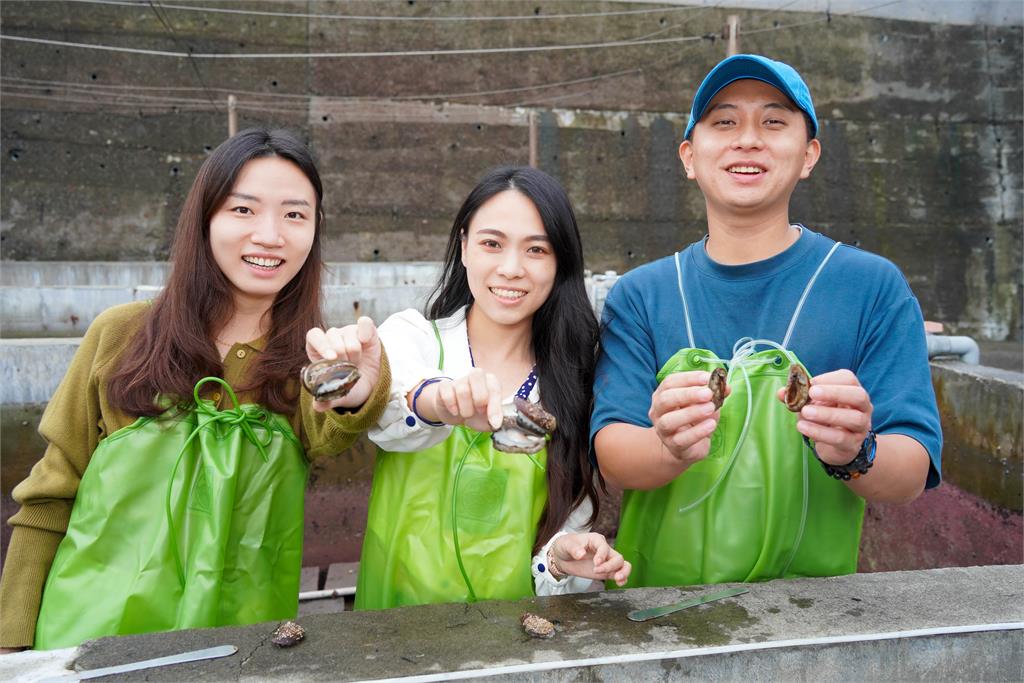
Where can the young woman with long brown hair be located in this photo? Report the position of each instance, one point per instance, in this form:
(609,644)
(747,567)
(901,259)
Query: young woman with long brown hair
(170,493)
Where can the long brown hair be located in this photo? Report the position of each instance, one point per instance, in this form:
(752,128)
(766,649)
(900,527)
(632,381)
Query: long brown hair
(176,347)
(564,336)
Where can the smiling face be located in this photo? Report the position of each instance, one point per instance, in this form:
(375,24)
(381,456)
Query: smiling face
(510,264)
(749,150)
(262,233)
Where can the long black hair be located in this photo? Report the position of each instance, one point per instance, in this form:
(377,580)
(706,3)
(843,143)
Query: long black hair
(564,334)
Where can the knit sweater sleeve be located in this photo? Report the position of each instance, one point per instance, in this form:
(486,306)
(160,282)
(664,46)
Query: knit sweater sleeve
(72,425)
(333,431)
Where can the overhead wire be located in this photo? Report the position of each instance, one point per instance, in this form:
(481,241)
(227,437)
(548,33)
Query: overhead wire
(358,55)
(371,17)
(199,105)
(195,67)
(305,99)
(114,89)
(412,53)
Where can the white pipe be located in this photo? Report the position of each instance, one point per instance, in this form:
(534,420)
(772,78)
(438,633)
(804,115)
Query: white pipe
(328,593)
(537,667)
(963,347)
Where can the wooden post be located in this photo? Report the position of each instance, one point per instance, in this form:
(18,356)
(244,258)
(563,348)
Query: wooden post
(232,116)
(533,139)
(732,35)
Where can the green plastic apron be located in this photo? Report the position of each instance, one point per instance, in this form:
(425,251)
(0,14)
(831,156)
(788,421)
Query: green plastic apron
(451,523)
(189,520)
(758,506)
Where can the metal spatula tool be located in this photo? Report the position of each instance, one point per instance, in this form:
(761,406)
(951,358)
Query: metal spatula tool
(651,613)
(181,658)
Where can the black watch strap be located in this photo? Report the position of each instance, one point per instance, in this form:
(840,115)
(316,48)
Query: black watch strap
(860,464)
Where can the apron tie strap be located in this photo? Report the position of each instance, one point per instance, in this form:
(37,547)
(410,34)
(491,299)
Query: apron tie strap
(742,352)
(232,417)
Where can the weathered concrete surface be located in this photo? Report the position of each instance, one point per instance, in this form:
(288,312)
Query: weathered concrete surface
(68,311)
(982,411)
(945,527)
(1007,355)
(921,127)
(993,12)
(803,629)
(61,299)
(154,273)
(31,369)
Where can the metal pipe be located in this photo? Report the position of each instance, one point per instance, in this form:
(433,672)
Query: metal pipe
(963,347)
(328,593)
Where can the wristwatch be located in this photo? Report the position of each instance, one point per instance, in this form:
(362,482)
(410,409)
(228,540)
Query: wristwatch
(860,464)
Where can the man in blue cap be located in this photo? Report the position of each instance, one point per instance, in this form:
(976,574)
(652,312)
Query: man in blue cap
(772,481)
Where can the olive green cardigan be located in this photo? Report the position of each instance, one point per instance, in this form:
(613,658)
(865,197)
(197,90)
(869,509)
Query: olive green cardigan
(79,416)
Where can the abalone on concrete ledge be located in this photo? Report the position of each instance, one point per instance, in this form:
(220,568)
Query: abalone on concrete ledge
(288,634)
(537,626)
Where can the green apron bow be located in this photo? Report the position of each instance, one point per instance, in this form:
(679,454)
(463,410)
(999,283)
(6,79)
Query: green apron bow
(231,418)
(226,550)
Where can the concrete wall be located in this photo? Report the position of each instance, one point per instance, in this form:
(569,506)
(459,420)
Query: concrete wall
(921,125)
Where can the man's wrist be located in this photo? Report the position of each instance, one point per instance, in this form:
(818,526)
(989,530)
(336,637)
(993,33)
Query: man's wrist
(672,461)
(855,468)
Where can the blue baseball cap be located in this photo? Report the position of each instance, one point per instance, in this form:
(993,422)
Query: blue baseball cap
(738,67)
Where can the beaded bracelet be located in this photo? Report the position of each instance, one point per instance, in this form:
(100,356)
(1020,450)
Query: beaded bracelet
(424,384)
(556,573)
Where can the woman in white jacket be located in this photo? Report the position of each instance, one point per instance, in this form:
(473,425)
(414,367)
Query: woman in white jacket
(452,518)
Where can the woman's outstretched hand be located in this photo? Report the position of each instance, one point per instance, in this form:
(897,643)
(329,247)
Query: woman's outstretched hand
(473,400)
(359,345)
(589,555)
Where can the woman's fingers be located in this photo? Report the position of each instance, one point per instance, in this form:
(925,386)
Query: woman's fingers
(447,399)
(317,346)
(494,412)
(622,575)
(366,332)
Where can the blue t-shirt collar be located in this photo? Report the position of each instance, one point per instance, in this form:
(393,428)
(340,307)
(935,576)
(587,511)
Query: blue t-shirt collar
(793,255)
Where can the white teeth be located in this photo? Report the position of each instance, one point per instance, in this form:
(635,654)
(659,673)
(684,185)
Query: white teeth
(508,293)
(745,169)
(262,262)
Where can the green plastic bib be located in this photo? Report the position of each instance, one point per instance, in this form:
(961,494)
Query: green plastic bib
(193,519)
(757,507)
(452,523)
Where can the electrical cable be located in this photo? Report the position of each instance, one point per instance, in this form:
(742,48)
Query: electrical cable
(342,55)
(370,17)
(195,67)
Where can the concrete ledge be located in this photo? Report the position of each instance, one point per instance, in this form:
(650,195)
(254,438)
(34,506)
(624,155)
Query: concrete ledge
(62,299)
(58,311)
(31,369)
(982,410)
(154,273)
(935,625)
